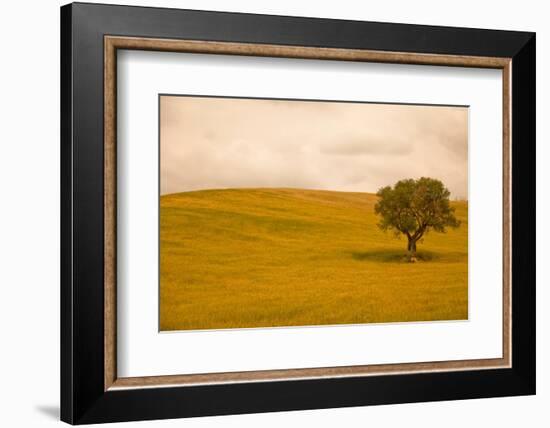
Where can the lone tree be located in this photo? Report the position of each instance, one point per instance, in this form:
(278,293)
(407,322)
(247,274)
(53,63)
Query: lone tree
(413,208)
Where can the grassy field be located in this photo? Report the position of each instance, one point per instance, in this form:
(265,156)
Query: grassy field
(280,257)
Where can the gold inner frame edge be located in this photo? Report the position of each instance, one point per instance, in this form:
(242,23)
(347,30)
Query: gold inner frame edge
(113,43)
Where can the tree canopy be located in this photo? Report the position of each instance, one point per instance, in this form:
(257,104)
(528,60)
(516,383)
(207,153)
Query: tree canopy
(414,207)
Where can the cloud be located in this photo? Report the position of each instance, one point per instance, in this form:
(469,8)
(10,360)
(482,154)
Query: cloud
(223,142)
(367,146)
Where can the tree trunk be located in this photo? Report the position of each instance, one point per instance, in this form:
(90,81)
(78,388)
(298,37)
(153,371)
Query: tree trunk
(411,248)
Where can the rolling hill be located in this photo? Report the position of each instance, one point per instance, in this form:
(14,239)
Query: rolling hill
(239,258)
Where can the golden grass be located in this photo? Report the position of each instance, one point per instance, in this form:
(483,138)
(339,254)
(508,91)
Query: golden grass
(287,257)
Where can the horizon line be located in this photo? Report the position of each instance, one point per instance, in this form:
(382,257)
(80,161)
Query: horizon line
(456,199)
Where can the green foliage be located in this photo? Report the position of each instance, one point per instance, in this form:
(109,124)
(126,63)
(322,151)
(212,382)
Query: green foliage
(414,207)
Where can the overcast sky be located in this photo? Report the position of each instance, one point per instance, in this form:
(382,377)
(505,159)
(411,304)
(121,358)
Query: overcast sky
(212,143)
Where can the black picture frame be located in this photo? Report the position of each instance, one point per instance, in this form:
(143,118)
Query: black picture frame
(83,398)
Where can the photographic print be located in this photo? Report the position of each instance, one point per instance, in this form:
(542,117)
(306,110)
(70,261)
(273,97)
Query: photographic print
(279,212)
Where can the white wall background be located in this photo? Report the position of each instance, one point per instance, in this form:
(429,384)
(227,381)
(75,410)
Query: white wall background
(29,214)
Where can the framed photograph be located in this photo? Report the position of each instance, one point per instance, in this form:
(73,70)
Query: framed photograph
(265,213)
